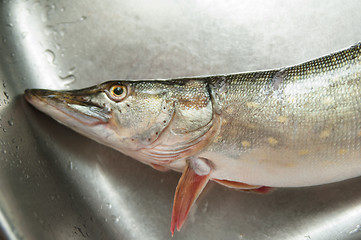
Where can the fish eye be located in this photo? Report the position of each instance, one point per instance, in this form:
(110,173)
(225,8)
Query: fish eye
(117,92)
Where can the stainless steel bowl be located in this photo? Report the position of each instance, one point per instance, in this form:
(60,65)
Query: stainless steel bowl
(56,184)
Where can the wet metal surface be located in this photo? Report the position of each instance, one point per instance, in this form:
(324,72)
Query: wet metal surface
(56,184)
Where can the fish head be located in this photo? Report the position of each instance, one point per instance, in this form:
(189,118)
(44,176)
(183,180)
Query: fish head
(115,111)
(152,121)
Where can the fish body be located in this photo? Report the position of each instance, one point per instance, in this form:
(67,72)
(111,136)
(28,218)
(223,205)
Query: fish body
(292,127)
(289,127)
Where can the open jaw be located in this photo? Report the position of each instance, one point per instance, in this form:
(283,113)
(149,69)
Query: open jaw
(68,107)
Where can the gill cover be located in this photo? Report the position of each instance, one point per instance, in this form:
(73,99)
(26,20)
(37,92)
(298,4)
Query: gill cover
(193,125)
(158,122)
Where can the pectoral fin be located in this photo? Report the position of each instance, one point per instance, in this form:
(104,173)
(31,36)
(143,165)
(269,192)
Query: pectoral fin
(193,180)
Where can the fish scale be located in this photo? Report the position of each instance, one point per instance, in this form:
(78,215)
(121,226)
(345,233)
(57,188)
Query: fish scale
(312,117)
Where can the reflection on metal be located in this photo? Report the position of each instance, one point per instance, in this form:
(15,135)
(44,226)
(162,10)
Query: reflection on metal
(58,185)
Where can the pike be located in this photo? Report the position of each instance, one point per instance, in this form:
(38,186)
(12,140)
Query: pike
(290,127)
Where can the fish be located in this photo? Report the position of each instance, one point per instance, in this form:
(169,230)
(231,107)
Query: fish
(294,126)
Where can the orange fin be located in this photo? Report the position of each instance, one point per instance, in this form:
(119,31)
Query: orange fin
(193,180)
(243,186)
(159,167)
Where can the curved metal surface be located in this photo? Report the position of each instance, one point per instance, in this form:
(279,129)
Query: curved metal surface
(56,184)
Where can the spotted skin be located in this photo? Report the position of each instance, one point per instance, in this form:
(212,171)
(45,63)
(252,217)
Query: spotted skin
(300,123)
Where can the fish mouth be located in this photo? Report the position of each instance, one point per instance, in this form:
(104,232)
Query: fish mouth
(64,105)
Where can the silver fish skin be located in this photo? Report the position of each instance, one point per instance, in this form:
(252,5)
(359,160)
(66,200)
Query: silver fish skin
(289,127)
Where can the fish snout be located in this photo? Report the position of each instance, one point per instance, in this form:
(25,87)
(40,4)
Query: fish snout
(63,104)
(32,95)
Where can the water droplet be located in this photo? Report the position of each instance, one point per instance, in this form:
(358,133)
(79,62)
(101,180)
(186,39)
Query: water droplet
(24,34)
(11,123)
(83,18)
(4,84)
(72,70)
(115,218)
(356,230)
(71,196)
(62,9)
(17,147)
(49,30)
(68,79)
(6,95)
(9,25)
(4,129)
(4,40)
(205,208)
(109,205)
(50,56)
(48,10)
(4,151)
(70,165)
(53,196)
